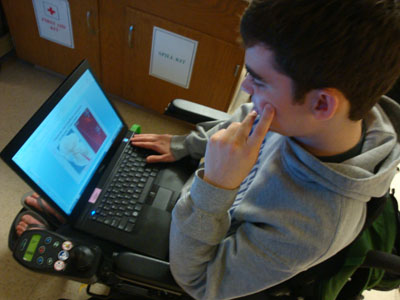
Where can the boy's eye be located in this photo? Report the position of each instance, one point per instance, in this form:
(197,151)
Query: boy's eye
(255,81)
(258,83)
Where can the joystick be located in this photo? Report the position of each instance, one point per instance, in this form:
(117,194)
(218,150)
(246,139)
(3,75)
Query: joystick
(82,257)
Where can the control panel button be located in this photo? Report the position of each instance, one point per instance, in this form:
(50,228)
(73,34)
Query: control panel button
(40,260)
(42,249)
(56,244)
(48,240)
(59,265)
(23,245)
(50,261)
(63,255)
(67,245)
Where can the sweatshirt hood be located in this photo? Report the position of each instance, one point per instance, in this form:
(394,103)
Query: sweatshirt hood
(366,175)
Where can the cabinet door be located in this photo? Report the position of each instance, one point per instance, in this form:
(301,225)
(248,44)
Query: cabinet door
(31,47)
(214,75)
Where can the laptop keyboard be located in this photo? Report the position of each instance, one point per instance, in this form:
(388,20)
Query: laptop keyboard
(122,203)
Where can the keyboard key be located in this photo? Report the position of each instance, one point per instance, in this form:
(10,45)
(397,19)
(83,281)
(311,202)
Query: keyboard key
(129,227)
(115,222)
(123,223)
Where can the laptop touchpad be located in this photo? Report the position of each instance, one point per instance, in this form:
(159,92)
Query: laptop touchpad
(162,198)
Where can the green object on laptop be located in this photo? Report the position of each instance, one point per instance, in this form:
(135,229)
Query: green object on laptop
(136,128)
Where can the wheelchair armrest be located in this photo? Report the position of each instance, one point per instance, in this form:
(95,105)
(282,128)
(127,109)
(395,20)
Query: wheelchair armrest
(382,260)
(139,268)
(193,112)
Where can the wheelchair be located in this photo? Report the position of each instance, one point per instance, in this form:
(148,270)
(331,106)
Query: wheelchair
(133,276)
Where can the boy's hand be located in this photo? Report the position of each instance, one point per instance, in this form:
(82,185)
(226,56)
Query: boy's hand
(231,153)
(157,142)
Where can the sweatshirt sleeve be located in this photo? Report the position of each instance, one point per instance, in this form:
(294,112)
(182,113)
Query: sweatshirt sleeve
(209,264)
(194,144)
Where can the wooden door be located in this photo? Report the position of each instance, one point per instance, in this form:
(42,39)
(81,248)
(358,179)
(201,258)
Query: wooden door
(215,72)
(31,47)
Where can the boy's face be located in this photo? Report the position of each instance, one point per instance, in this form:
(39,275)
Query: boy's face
(266,85)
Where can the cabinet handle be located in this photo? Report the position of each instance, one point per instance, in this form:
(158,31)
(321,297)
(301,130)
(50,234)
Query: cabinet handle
(237,68)
(130,34)
(89,24)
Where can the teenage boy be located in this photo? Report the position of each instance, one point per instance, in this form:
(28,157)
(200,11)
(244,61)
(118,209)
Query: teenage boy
(286,180)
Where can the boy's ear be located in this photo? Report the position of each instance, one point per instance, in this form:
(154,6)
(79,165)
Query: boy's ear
(324,103)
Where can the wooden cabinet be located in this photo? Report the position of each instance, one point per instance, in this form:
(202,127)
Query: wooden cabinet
(31,47)
(121,59)
(219,59)
(214,73)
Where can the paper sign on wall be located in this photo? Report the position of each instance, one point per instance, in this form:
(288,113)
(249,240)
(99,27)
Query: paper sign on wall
(54,21)
(172,57)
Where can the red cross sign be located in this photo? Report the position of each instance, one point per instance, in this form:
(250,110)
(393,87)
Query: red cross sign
(51,10)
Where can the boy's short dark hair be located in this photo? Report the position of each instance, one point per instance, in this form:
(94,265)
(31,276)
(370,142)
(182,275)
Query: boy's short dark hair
(350,45)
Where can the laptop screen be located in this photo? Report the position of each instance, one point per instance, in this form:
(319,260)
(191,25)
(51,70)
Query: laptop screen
(63,153)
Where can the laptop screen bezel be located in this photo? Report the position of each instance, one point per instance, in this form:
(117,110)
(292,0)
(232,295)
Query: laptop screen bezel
(34,122)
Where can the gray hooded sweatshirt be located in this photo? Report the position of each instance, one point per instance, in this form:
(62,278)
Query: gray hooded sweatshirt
(293,211)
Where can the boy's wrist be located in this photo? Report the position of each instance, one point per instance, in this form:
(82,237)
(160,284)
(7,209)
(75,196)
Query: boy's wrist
(209,197)
(217,184)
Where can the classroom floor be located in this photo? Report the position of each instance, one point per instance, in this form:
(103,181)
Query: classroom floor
(23,88)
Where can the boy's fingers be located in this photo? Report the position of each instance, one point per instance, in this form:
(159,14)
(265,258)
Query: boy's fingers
(246,125)
(143,138)
(146,145)
(263,125)
(159,158)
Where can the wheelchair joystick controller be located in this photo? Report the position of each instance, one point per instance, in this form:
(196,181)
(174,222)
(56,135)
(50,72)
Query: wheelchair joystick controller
(49,252)
(82,258)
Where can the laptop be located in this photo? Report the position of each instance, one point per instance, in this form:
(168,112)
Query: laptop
(75,152)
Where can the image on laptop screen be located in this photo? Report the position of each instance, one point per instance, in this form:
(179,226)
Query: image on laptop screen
(63,153)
